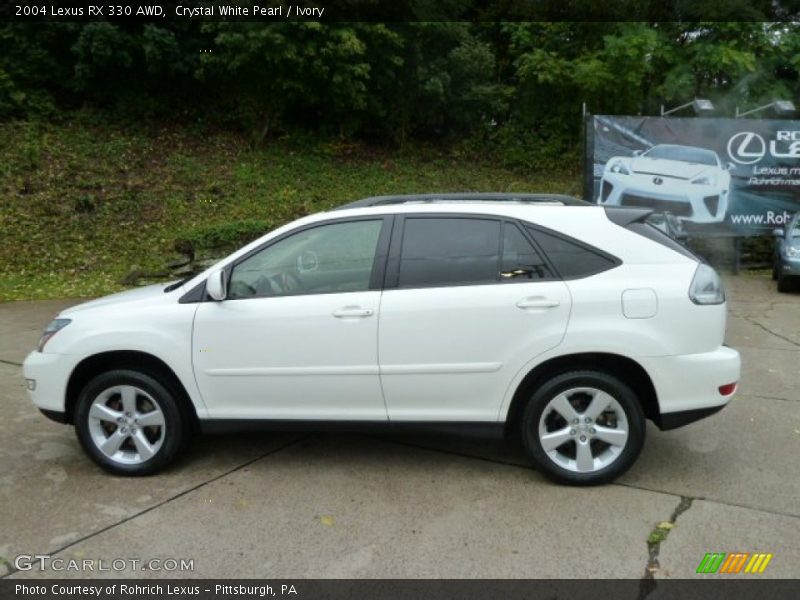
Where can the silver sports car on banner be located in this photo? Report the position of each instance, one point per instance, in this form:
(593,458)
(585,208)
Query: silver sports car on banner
(691,183)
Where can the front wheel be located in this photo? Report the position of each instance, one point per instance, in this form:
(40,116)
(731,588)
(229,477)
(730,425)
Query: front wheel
(583,427)
(128,422)
(784,283)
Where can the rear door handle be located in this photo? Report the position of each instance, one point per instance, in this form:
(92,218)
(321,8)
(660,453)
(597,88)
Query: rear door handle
(516,273)
(537,302)
(352,312)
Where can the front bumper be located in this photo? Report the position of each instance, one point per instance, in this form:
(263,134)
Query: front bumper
(46,376)
(688,385)
(790,266)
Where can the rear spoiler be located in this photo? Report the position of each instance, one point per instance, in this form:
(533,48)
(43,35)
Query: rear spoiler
(624,216)
(634,219)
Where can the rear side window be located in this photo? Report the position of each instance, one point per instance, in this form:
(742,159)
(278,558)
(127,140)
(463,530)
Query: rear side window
(521,261)
(449,251)
(572,259)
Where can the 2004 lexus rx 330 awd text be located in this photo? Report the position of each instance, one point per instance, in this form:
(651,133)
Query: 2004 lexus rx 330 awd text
(565,323)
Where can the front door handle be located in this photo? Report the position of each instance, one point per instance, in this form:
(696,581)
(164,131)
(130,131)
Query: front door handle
(352,312)
(537,302)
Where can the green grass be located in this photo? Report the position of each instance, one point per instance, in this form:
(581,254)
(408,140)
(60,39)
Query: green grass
(82,204)
(660,532)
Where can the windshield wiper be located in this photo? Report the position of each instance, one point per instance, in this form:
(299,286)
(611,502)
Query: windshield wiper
(177,284)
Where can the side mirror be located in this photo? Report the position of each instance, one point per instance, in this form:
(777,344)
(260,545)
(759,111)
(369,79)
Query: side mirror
(637,152)
(216,285)
(778,233)
(730,166)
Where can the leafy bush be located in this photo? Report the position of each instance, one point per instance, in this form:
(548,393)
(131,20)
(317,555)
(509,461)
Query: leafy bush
(226,235)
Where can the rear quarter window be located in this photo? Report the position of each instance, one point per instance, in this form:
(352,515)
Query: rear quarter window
(571,258)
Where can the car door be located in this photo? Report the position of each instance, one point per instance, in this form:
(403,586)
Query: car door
(296,337)
(468,301)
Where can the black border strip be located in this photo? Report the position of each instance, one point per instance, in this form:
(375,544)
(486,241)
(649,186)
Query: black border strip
(397,11)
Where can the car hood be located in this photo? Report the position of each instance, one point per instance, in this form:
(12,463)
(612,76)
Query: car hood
(135,295)
(669,168)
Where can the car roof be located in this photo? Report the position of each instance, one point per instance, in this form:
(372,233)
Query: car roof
(466,198)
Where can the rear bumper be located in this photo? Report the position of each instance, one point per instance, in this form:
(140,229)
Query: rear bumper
(688,386)
(667,421)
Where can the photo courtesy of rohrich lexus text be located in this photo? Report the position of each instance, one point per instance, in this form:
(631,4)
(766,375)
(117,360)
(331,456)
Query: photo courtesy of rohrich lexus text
(400,300)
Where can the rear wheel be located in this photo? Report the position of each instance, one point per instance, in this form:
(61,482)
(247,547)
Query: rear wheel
(129,423)
(583,427)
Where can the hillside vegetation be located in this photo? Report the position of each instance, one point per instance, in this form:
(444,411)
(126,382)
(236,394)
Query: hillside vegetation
(84,203)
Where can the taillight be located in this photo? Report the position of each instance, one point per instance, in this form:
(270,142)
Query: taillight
(706,286)
(727,389)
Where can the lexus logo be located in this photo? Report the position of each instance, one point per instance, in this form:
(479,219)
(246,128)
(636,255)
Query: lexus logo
(746,148)
(658,180)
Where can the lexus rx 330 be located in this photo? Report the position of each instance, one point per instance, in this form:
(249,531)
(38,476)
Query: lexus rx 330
(564,323)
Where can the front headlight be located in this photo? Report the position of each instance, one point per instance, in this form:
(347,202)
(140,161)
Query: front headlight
(619,167)
(706,286)
(705,180)
(52,328)
(792,251)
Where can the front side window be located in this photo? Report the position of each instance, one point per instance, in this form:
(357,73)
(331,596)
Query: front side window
(449,251)
(332,258)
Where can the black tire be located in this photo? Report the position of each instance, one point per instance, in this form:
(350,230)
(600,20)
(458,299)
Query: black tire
(605,382)
(784,283)
(174,432)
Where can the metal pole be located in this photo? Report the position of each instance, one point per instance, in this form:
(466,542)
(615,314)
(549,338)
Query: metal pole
(677,108)
(588,156)
(752,110)
(737,255)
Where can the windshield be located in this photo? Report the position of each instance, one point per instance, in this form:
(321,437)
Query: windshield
(683,153)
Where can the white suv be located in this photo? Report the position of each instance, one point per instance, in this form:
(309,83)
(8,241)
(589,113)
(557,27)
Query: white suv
(565,323)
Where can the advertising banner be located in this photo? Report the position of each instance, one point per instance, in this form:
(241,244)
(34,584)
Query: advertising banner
(717,176)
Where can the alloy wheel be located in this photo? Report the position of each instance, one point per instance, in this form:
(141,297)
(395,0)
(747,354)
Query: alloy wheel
(583,429)
(127,424)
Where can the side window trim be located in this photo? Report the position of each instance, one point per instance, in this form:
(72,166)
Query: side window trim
(392,272)
(378,259)
(527,226)
(381,254)
(556,276)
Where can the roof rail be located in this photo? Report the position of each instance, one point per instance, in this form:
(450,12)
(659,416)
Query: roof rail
(559,199)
